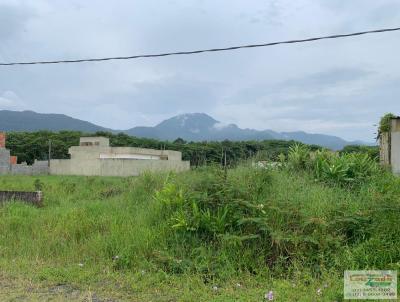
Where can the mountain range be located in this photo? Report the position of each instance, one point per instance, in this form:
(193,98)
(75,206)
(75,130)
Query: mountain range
(190,127)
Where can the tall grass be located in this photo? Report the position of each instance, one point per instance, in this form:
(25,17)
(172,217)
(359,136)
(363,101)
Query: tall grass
(84,220)
(209,223)
(274,221)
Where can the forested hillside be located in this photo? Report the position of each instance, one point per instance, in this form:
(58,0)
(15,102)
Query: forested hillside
(195,127)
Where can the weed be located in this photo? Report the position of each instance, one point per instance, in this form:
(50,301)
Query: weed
(206,228)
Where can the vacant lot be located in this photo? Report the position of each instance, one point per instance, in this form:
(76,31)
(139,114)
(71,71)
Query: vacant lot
(204,235)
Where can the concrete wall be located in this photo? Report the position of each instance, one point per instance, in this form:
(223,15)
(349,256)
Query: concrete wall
(88,152)
(29,197)
(130,156)
(390,147)
(38,168)
(384,149)
(95,141)
(113,167)
(395,146)
(4,161)
(8,164)
(100,159)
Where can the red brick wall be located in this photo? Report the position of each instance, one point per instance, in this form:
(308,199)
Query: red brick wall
(2,139)
(13,160)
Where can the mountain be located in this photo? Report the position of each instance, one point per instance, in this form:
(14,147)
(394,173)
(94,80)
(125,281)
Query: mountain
(200,127)
(329,141)
(190,127)
(32,121)
(193,127)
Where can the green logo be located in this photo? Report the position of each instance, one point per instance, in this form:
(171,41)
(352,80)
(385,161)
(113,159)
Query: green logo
(370,285)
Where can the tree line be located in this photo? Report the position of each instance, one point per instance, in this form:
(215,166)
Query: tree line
(29,146)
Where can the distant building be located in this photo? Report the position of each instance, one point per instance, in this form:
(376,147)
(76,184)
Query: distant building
(390,146)
(94,156)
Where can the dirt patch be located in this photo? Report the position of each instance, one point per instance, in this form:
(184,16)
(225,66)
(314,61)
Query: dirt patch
(16,290)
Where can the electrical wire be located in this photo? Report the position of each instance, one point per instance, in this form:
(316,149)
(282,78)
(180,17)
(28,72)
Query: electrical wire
(204,50)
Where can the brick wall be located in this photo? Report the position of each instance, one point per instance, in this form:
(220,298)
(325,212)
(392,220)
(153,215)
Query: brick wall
(13,160)
(2,139)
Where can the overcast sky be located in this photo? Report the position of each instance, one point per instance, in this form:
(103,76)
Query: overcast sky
(338,87)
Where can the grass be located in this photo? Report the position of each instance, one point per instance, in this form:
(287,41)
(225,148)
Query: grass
(117,238)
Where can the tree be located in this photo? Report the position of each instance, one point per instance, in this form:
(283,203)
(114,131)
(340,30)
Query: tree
(179,141)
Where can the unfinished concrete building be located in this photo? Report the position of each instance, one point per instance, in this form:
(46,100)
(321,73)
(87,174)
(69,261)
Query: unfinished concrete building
(94,156)
(8,163)
(390,146)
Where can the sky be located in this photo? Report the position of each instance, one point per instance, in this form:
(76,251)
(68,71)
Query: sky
(339,87)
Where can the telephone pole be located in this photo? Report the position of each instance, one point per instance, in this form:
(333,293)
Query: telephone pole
(49,155)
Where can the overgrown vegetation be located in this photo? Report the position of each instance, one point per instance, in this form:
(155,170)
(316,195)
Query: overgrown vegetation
(343,169)
(372,151)
(211,234)
(384,123)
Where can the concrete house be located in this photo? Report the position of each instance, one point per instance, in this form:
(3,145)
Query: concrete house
(390,146)
(94,156)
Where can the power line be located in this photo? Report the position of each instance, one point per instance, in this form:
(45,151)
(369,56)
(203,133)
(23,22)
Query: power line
(205,50)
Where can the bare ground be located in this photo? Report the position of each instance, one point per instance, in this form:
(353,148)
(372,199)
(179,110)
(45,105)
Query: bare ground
(12,289)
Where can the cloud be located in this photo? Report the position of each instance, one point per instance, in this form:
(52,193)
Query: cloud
(328,78)
(10,100)
(336,82)
(338,86)
(13,19)
(221,126)
(339,102)
(175,94)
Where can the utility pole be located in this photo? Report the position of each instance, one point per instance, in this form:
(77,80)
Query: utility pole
(225,168)
(49,155)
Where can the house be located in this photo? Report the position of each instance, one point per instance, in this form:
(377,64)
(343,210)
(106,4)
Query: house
(94,156)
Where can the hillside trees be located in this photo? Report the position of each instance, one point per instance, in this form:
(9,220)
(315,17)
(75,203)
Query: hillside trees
(29,146)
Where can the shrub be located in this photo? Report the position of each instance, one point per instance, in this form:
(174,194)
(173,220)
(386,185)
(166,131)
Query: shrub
(384,124)
(238,217)
(372,151)
(298,156)
(348,169)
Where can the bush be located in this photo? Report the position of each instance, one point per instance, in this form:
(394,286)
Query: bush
(238,217)
(348,169)
(372,151)
(298,157)
(385,122)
